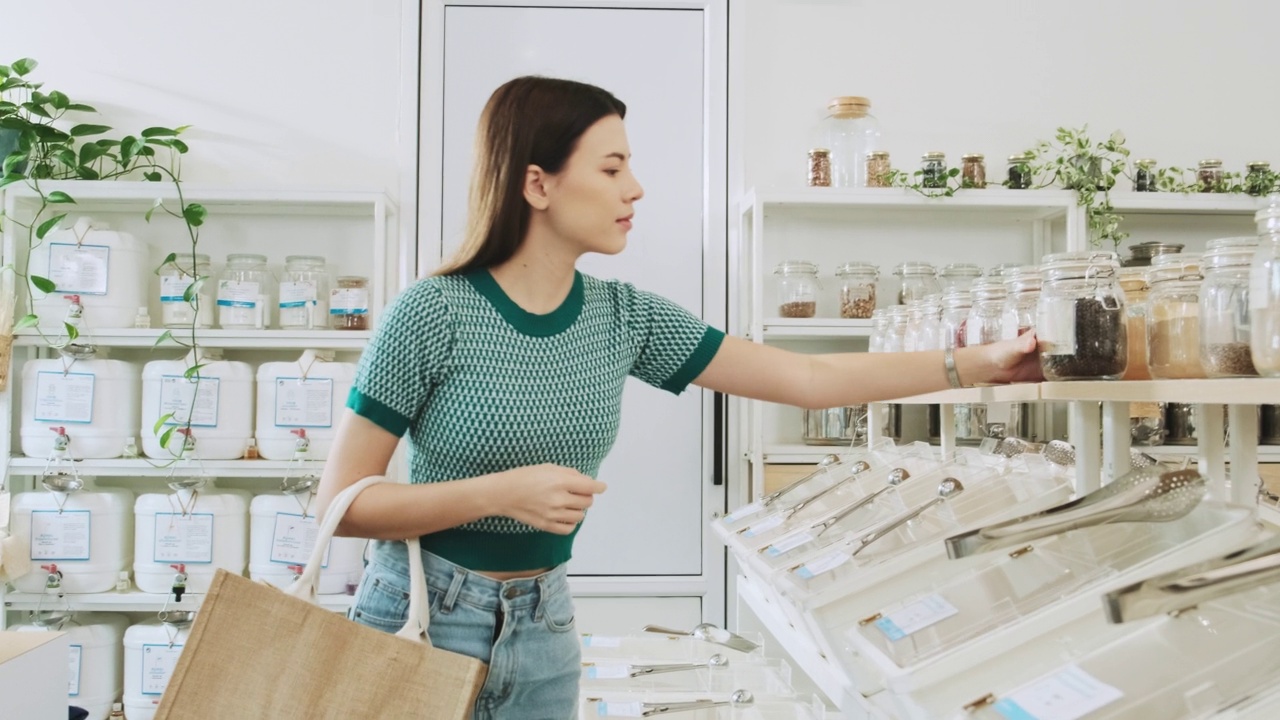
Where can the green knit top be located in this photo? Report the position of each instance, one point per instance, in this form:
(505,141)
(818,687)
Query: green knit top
(483,386)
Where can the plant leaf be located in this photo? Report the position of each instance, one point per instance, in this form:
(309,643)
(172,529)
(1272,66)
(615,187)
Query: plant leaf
(35,109)
(164,337)
(165,436)
(72,331)
(158,203)
(49,225)
(57,196)
(158,132)
(81,107)
(90,152)
(67,157)
(87,173)
(193,371)
(153,176)
(10,179)
(26,321)
(82,130)
(24,66)
(171,257)
(194,214)
(59,100)
(160,422)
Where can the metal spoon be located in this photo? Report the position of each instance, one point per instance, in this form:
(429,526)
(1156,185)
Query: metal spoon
(826,462)
(739,699)
(947,489)
(896,478)
(715,661)
(858,468)
(709,633)
(1145,495)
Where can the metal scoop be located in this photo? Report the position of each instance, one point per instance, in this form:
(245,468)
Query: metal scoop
(1187,587)
(948,488)
(858,468)
(715,661)
(826,462)
(709,633)
(739,699)
(1145,495)
(1060,453)
(896,478)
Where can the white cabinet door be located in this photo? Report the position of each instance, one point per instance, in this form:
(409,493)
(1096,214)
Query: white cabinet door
(652,519)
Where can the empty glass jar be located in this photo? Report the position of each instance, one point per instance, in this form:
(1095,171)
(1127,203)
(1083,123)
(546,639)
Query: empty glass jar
(987,314)
(923,325)
(1022,293)
(958,276)
(1080,317)
(896,332)
(797,289)
(1173,323)
(304,293)
(879,326)
(1225,332)
(955,317)
(1264,292)
(849,131)
(857,289)
(175,278)
(244,293)
(916,280)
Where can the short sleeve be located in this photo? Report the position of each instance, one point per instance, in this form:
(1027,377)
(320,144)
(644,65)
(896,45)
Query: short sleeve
(674,345)
(405,359)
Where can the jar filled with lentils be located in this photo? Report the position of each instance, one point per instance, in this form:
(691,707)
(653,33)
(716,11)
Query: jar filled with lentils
(797,289)
(1226,335)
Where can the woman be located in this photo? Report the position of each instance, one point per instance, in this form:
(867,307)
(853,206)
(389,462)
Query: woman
(506,368)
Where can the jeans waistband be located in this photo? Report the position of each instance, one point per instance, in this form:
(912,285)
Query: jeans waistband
(459,583)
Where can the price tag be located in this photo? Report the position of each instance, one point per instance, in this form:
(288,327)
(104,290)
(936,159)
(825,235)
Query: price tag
(349,301)
(294,539)
(1056,328)
(73,677)
(600,641)
(744,512)
(80,269)
(189,400)
(917,616)
(60,536)
(764,526)
(158,662)
(64,397)
(609,672)
(619,709)
(1068,694)
(183,538)
(174,287)
(821,565)
(297,294)
(304,403)
(789,543)
(238,294)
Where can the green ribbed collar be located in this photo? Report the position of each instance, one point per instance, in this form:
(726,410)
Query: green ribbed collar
(528,323)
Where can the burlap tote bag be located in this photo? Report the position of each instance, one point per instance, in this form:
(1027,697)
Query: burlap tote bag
(259,652)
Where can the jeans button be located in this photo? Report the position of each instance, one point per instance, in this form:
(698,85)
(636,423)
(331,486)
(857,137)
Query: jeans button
(511,593)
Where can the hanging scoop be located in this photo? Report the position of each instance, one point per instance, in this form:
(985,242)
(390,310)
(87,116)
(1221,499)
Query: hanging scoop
(1144,495)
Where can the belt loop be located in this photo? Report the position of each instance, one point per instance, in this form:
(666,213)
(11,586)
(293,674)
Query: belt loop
(455,587)
(542,598)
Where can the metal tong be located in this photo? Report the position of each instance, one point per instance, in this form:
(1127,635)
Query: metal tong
(949,487)
(1144,495)
(709,633)
(1182,589)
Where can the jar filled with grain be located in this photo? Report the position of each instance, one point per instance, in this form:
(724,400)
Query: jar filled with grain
(797,289)
(1173,321)
(819,167)
(1133,280)
(878,169)
(973,171)
(857,289)
(1080,320)
(1225,323)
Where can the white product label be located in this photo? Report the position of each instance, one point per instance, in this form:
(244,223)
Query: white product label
(600,641)
(184,538)
(80,269)
(765,525)
(73,675)
(295,538)
(304,403)
(619,709)
(349,301)
(744,512)
(917,616)
(1056,328)
(65,397)
(178,395)
(789,543)
(1260,286)
(158,662)
(60,535)
(821,565)
(174,287)
(608,672)
(972,333)
(238,294)
(297,294)
(1068,694)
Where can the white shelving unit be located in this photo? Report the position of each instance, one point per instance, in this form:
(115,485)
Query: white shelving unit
(352,229)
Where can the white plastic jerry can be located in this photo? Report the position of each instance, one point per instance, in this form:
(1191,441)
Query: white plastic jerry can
(96,667)
(151,651)
(190,531)
(105,268)
(217,406)
(301,400)
(282,536)
(87,403)
(80,536)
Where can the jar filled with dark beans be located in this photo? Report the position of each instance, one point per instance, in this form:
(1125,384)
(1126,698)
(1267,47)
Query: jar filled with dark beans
(1258,179)
(933,170)
(1144,176)
(1019,172)
(1080,317)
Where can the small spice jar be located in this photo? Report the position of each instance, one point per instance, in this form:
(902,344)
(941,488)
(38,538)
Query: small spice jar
(857,289)
(1209,175)
(958,276)
(933,170)
(349,303)
(878,168)
(917,279)
(1225,334)
(1264,292)
(1133,280)
(1080,317)
(175,277)
(896,332)
(1019,172)
(953,327)
(1257,179)
(1173,319)
(1144,176)
(244,293)
(819,167)
(797,289)
(973,171)
(1022,293)
(986,317)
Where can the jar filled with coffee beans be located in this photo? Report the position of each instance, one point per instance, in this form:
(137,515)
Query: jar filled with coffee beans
(797,289)
(857,289)
(1080,320)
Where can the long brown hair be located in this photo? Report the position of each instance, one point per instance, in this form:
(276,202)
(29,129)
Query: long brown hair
(528,121)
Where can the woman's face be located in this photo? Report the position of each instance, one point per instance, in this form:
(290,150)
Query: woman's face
(589,203)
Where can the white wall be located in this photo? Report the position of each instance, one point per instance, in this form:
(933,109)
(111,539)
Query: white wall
(1184,80)
(281,93)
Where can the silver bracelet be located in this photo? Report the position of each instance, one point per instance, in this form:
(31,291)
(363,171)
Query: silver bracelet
(949,361)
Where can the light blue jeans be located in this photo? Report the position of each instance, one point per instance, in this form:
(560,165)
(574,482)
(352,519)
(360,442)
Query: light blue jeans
(523,629)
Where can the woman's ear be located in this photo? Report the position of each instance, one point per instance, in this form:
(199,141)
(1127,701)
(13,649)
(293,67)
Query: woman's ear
(535,187)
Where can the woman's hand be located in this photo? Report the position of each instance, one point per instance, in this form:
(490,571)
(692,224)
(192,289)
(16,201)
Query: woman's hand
(1013,361)
(548,497)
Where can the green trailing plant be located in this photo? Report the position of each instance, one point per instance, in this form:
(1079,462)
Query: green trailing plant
(1075,161)
(950,182)
(52,145)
